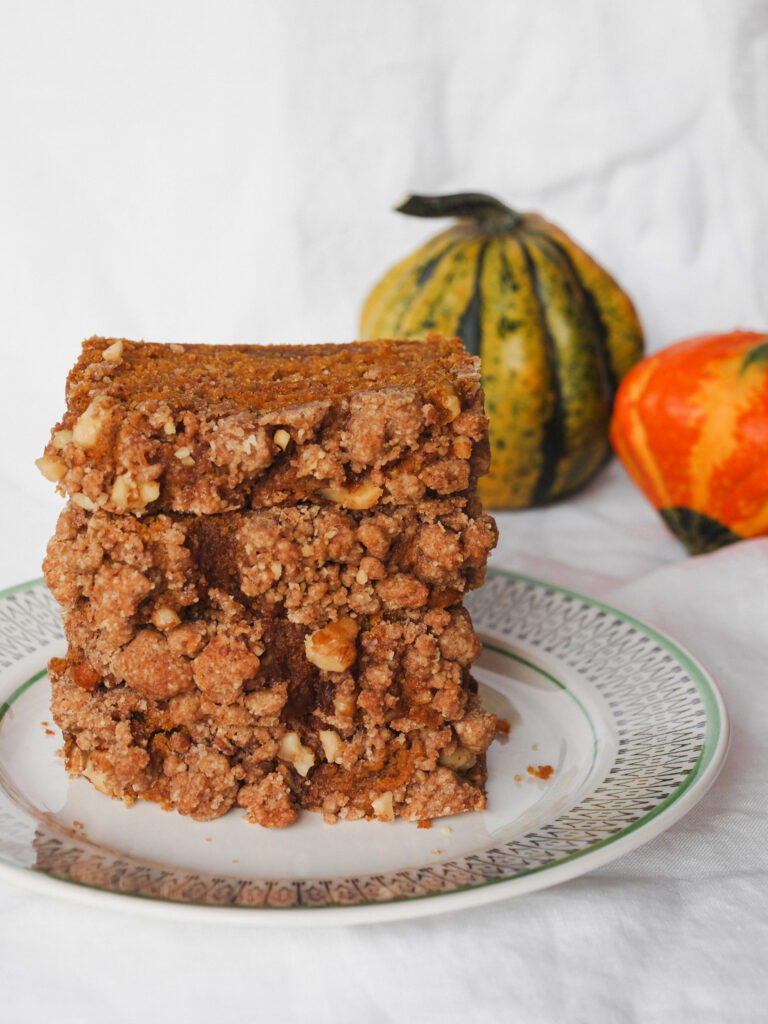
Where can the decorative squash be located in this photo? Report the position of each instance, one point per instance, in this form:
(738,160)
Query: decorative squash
(554,331)
(691,427)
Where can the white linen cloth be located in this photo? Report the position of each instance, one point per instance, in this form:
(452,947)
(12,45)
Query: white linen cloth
(223,172)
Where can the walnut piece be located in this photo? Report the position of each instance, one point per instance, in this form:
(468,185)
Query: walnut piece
(383,807)
(184,455)
(127,494)
(281,438)
(290,748)
(344,705)
(121,491)
(333,648)
(149,491)
(61,439)
(461,759)
(165,618)
(114,352)
(332,745)
(450,402)
(88,427)
(357,497)
(52,467)
(83,501)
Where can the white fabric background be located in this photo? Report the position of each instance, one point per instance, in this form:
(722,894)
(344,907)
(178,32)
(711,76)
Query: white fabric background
(224,172)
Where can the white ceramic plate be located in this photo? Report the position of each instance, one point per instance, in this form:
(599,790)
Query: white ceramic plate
(633,727)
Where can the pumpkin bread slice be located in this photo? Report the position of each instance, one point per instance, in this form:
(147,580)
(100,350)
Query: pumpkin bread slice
(204,429)
(359,719)
(307,564)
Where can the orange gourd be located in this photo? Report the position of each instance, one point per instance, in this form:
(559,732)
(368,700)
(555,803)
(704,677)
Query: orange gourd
(690,424)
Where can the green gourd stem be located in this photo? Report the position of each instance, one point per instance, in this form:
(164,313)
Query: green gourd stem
(488,211)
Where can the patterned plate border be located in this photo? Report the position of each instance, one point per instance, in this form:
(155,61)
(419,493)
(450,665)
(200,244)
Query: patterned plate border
(659,772)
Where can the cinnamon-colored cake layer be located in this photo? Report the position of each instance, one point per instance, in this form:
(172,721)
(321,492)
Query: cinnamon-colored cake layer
(358,719)
(309,564)
(204,429)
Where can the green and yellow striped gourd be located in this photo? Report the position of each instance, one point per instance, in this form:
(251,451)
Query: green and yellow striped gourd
(554,331)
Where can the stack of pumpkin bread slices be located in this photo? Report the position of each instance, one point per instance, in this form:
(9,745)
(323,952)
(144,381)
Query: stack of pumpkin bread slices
(261,569)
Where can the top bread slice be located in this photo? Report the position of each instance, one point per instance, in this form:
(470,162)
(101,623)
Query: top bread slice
(203,429)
